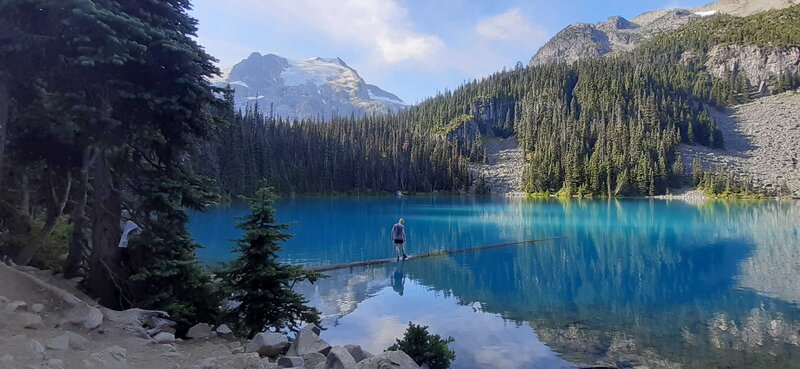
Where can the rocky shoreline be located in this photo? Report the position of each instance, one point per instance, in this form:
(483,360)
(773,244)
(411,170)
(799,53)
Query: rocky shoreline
(43,325)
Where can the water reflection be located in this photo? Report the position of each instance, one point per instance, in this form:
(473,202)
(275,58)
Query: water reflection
(653,283)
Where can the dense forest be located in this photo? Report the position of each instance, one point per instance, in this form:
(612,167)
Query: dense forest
(377,153)
(605,127)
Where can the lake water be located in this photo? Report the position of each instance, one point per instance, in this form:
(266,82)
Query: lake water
(634,282)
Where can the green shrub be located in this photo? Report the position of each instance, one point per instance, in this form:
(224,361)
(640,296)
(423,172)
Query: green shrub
(425,348)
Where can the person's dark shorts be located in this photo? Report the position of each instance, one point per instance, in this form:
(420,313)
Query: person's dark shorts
(399,242)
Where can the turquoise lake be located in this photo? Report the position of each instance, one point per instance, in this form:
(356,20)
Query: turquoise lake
(633,282)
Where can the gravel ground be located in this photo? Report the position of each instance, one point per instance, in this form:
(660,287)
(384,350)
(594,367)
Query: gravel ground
(762,142)
(503,172)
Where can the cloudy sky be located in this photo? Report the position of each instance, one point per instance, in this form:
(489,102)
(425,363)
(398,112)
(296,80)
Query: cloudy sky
(412,48)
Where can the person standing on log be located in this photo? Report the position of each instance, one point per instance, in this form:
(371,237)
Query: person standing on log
(399,237)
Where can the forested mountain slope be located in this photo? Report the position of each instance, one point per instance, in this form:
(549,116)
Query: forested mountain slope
(608,126)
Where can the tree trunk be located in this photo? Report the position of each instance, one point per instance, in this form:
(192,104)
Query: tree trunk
(25,198)
(5,101)
(105,275)
(55,207)
(78,241)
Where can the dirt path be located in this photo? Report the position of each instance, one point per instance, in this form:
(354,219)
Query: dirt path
(503,172)
(762,142)
(34,338)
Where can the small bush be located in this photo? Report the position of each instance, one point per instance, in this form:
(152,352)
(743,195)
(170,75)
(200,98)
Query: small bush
(425,348)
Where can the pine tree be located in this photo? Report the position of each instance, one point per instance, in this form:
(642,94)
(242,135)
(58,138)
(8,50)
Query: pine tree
(259,283)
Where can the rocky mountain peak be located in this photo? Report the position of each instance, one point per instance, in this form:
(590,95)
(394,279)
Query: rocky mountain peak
(617,22)
(584,40)
(305,88)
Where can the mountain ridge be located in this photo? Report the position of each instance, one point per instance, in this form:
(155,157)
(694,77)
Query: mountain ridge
(305,88)
(617,34)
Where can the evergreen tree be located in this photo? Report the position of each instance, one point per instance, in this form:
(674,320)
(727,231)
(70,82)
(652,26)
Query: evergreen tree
(260,285)
(425,348)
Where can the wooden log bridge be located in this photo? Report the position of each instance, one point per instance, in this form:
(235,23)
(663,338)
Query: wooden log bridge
(325,268)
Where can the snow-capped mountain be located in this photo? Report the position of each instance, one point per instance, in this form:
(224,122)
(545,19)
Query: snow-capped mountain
(305,88)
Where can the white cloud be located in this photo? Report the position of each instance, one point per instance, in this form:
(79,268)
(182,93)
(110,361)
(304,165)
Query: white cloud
(382,27)
(510,26)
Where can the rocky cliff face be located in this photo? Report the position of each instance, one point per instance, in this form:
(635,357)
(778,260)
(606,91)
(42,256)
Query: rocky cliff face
(305,88)
(584,41)
(761,65)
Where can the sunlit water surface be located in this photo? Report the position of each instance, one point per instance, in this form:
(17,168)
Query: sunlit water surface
(634,282)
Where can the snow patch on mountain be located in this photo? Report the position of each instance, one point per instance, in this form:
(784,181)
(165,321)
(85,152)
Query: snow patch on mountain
(305,88)
(707,13)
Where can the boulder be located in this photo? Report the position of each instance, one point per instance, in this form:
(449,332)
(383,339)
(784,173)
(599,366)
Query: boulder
(58,343)
(312,327)
(76,341)
(199,330)
(86,316)
(225,332)
(157,324)
(13,306)
(388,359)
(308,342)
(291,362)
(267,344)
(357,352)
(339,358)
(3,299)
(30,320)
(237,350)
(37,308)
(313,359)
(164,337)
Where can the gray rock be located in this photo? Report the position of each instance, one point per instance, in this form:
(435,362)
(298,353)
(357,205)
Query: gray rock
(157,324)
(164,337)
(13,306)
(291,362)
(200,330)
(339,358)
(3,300)
(388,359)
(267,344)
(76,341)
(36,347)
(7,358)
(58,343)
(37,308)
(114,357)
(357,353)
(86,316)
(237,350)
(313,328)
(225,332)
(313,359)
(30,320)
(308,342)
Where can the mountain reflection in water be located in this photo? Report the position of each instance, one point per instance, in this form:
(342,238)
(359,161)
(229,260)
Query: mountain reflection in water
(634,283)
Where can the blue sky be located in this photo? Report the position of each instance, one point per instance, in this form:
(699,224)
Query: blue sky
(412,48)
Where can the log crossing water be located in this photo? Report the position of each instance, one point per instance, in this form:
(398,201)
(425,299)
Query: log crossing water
(325,268)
